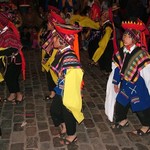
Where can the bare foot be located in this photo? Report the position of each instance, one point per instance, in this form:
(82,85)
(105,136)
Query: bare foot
(11,97)
(19,96)
(144,130)
(121,124)
(62,128)
(52,94)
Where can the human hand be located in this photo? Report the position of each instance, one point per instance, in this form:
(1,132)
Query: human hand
(116,88)
(43,61)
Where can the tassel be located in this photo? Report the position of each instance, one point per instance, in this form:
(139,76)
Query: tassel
(114,31)
(14,28)
(23,64)
(114,40)
(76,49)
(143,41)
(76,46)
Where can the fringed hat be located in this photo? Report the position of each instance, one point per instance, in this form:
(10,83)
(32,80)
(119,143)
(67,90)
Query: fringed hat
(137,30)
(138,25)
(69,35)
(67,32)
(55,18)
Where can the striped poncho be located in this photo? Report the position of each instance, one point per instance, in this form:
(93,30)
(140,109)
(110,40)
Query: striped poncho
(131,64)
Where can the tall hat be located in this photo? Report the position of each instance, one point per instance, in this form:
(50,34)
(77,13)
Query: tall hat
(137,30)
(68,34)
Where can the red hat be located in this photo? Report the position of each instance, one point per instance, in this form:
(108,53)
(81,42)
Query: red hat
(54,17)
(67,32)
(134,25)
(52,8)
(139,30)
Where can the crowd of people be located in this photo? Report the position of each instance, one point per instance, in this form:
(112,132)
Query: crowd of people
(116,38)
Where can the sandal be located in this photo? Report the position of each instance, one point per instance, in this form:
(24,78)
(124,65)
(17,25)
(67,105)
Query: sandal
(62,135)
(9,101)
(119,126)
(140,132)
(93,64)
(48,97)
(67,142)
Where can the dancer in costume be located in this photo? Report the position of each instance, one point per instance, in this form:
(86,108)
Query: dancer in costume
(67,104)
(107,45)
(128,84)
(12,58)
(103,54)
(48,53)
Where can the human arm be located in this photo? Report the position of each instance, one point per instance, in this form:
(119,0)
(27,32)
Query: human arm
(84,21)
(102,44)
(72,98)
(116,79)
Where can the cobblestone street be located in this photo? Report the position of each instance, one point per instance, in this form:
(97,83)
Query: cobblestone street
(28,126)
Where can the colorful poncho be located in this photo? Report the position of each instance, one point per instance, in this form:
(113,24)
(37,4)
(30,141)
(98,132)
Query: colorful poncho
(68,68)
(130,70)
(65,59)
(10,38)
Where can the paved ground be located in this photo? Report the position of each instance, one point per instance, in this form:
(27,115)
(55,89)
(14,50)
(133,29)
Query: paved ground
(28,126)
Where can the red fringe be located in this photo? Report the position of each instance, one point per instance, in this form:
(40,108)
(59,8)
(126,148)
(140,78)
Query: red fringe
(23,64)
